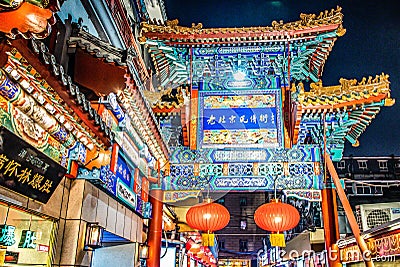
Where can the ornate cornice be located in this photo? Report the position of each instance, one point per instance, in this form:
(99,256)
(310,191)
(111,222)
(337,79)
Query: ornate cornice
(37,71)
(143,120)
(367,90)
(327,20)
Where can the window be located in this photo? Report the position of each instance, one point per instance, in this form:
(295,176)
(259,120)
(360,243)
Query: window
(243,224)
(21,231)
(383,165)
(221,244)
(243,245)
(341,164)
(362,164)
(221,201)
(243,201)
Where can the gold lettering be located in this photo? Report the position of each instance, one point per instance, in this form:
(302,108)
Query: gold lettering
(12,168)
(36,181)
(46,186)
(24,176)
(3,160)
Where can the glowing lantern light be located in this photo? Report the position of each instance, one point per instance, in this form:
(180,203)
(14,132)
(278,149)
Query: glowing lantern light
(208,217)
(276,216)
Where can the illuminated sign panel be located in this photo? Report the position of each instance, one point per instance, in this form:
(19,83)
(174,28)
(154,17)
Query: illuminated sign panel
(27,239)
(7,235)
(123,171)
(241,119)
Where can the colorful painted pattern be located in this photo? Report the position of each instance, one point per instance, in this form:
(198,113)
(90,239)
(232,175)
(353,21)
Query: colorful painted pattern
(182,155)
(243,176)
(240,118)
(21,125)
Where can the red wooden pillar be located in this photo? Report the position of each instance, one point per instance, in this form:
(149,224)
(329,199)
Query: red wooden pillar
(155,228)
(331,225)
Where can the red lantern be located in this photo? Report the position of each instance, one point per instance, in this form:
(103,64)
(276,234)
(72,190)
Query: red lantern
(276,216)
(208,216)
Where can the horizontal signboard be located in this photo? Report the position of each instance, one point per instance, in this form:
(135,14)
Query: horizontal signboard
(240,119)
(26,170)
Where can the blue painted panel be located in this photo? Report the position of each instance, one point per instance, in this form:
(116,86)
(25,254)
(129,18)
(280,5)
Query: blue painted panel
(124,171)
(109,179)
(248,118)
(239,118)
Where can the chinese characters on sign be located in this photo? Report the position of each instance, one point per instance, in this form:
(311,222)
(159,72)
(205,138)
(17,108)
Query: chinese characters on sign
(238,118)
(26,170)
(123,171)
(7,235)
(27,239)
(248,120)
(11,168)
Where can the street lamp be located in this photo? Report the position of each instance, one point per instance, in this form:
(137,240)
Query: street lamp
(143,251)
(94,235)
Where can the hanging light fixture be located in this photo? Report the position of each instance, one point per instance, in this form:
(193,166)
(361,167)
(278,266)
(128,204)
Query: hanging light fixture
(143,251)
(94,235)
(208,217)
(276,217)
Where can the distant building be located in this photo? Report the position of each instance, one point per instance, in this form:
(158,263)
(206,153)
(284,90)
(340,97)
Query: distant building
(368,177)
(242,238)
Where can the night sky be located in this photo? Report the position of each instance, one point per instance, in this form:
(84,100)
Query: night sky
(370,46)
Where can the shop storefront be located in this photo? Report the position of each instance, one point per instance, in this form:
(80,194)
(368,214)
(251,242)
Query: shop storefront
(29,210)
(383,243)
(26,238)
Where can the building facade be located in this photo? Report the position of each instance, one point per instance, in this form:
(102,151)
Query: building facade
(80,147)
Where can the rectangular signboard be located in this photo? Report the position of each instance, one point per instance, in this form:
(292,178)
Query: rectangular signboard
(127,195)
(26,170)
(241,118)
(124,171)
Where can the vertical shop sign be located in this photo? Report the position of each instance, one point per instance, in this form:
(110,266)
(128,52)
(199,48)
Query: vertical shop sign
(123,171)
(27,239)
(177,258)
(7,235)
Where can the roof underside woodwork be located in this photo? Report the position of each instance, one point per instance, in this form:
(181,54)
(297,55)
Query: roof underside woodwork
(347,109)
(298,48)
(269,56)
(102,58)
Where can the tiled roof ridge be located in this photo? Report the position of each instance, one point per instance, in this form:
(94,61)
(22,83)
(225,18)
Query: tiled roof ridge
(307,21)
(347,90)
(96,46)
